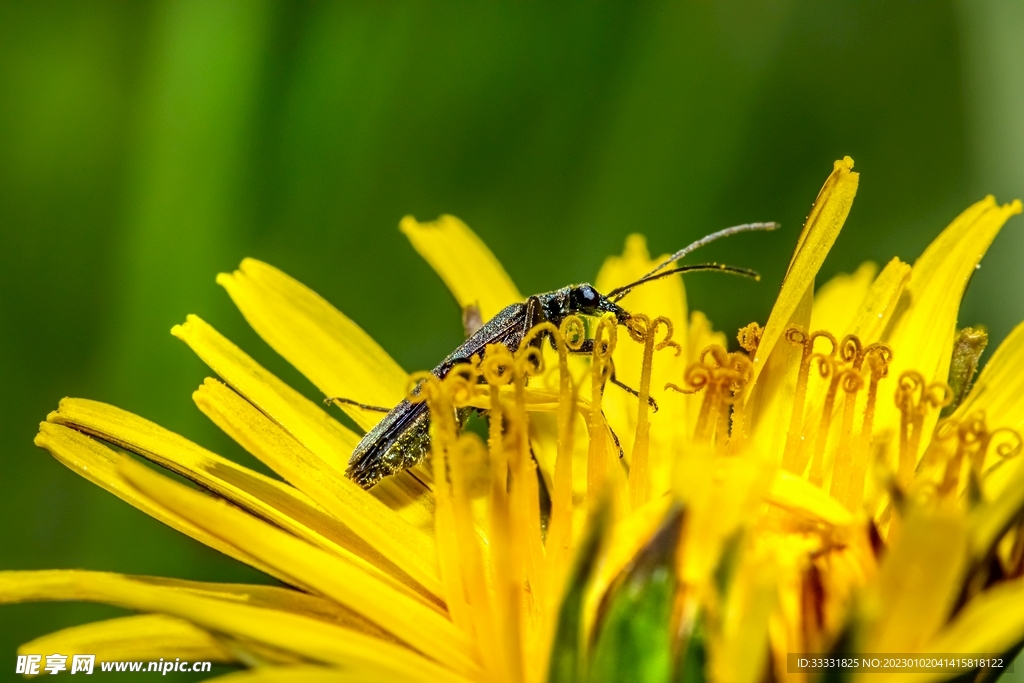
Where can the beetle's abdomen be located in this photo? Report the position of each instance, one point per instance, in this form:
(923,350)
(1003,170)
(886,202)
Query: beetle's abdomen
(396,443)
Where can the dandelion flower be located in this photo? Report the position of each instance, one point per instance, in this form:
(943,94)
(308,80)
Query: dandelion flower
(840,484)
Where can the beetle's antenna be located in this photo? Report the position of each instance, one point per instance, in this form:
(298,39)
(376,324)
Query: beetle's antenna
(618,293)
(708,239)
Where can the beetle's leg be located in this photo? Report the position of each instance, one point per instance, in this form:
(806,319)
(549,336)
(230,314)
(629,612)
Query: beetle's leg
(357,404)
(615,437)
(588,347)
(543,494)
(650,399)
(533,315)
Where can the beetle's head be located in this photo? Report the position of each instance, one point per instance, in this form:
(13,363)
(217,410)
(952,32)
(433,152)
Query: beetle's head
(586,300)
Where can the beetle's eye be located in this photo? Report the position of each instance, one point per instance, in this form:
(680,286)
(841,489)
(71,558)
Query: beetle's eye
(588,294)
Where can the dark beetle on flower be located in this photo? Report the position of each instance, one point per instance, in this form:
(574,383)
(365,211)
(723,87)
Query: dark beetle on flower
(402,437)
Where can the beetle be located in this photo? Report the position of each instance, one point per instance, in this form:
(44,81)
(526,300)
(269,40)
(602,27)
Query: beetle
(402,438)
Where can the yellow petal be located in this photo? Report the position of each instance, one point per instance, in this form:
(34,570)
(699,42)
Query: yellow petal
(990,623)
(768,399)
(922,336)
(272,500)
(624,540)
(918,583)
(310,424)
(752,598)
(324,345)
(244,618)
(464,262)
(77,585)
(721,496)
(820,231)
(145,637)
(407,618)
(799,496)
(837,301)
(280,451)
(769,405)
(990,520)
(99,464)
(880,303)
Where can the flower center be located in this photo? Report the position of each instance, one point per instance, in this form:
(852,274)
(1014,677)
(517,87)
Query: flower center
(833,412)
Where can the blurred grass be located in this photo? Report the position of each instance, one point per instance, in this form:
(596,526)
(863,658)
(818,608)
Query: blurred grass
(145,147)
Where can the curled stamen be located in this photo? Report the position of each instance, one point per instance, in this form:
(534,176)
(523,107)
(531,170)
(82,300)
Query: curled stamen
(796,336)
(422,386)
(668,342)
(972,435)
(722,376)
(741,368)
(443,439)
(641,328)
(1010,444)
(645,331)
(974,442)
(882,353)
(461,381)
(749,337)
(826,364)
(850,382)
(523,490)
(695,377)
(574,332)
(529,361)
(939,395)
(699,376)
(939,449)
(496,366)
(571,335)
(638,327)
(851,351)
(792,459)
(877,356)
(828,367)
(914,396)
(718,354)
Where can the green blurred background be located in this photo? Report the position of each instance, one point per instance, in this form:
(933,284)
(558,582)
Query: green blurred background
(144,147)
